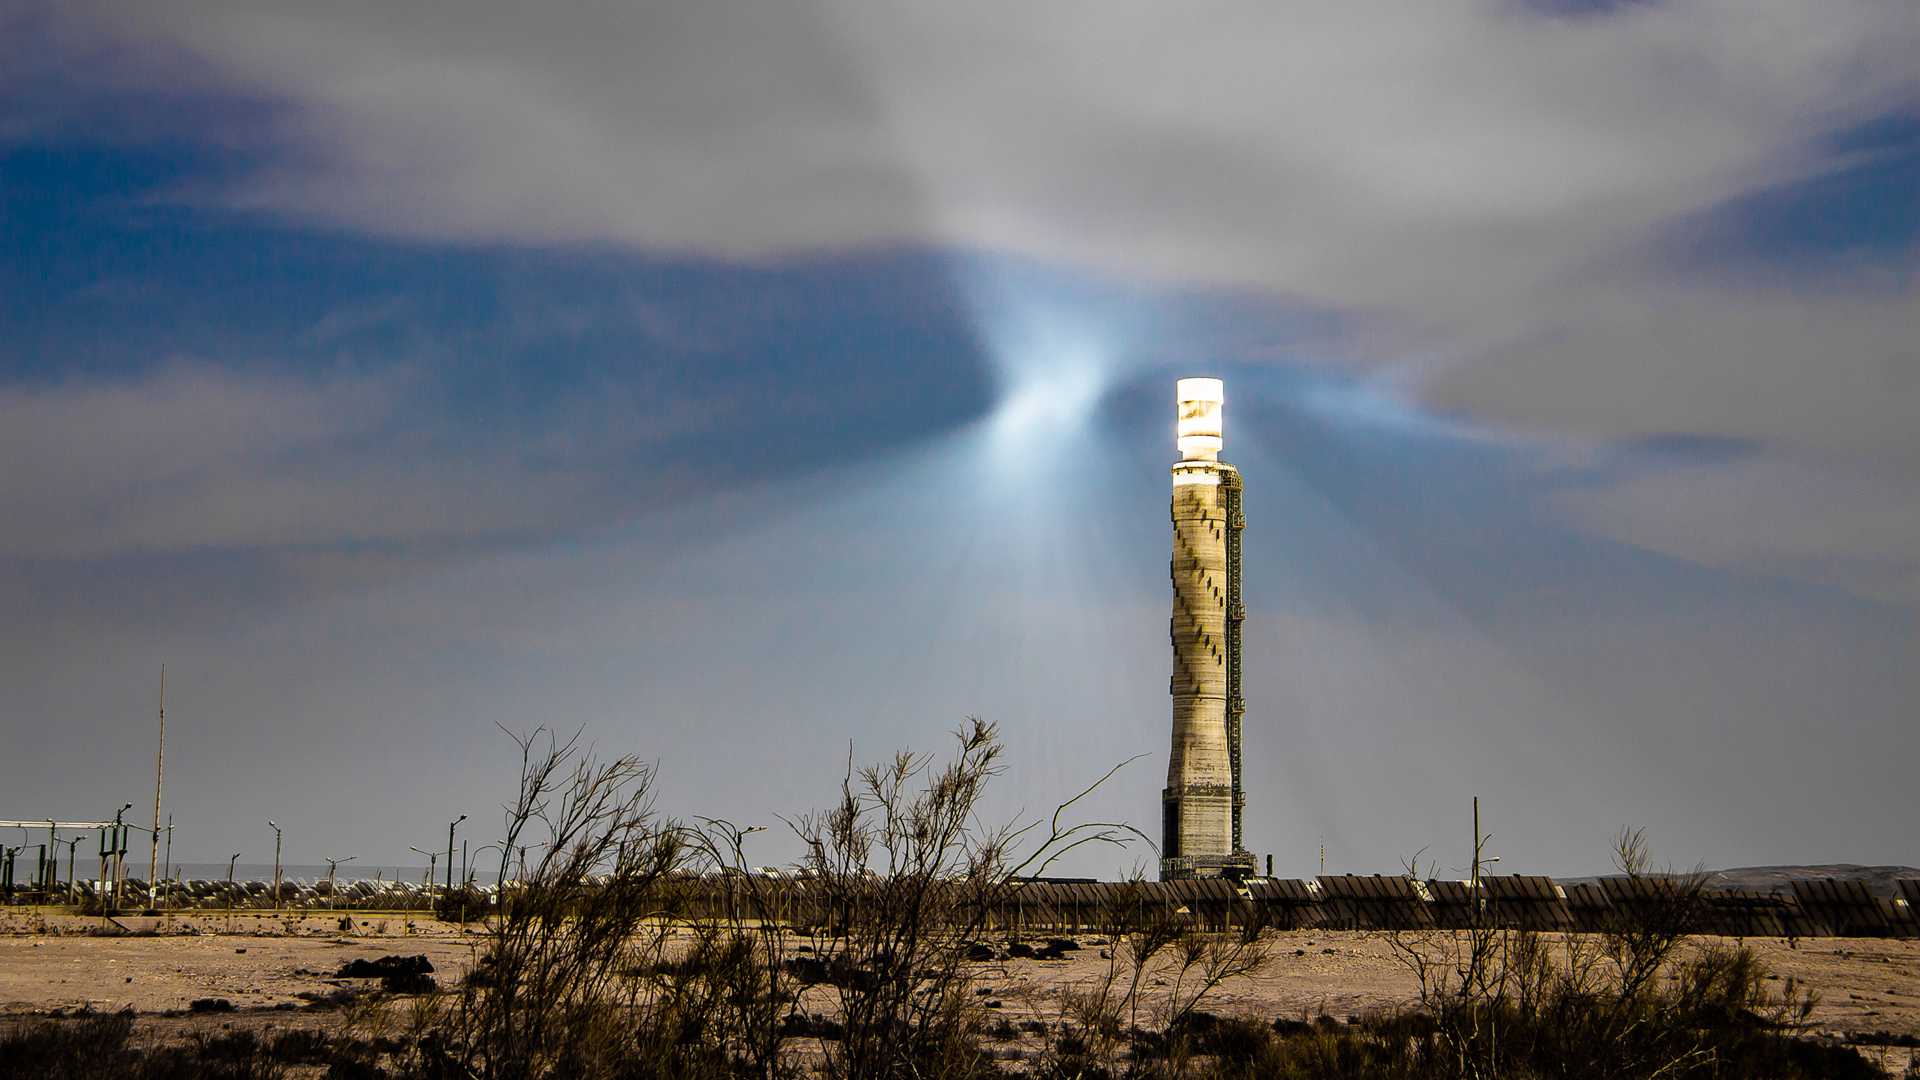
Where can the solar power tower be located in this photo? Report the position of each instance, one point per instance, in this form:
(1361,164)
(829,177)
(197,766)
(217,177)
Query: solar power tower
(1203,800)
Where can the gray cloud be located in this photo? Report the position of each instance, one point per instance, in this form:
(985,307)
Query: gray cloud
(1823,374)
(732,128)
(1818,391)
(1459,161)
(192,457)
(183,458)
(1485,183)
(1778,517)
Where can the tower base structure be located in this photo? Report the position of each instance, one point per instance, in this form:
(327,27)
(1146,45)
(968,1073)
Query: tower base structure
(1237,867)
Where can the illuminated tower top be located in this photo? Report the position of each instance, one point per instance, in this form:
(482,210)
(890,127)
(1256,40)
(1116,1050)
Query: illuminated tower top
(1199,431)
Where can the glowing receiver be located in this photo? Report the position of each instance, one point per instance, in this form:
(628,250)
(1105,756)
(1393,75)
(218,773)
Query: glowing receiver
(1199,429)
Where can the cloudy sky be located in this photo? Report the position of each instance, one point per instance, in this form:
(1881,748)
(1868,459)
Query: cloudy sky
(754,385)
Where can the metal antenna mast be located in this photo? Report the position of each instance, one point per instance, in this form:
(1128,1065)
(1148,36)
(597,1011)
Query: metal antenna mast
(159,770)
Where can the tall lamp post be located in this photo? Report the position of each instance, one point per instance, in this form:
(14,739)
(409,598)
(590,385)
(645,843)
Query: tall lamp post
(740,836)
(499,885)
(450,828)
(167,870)
(70,846)
(522,871)
(331,863)
(276,864)
(497,845)
(740,864)
(433,861)
(120,853)
(230,862)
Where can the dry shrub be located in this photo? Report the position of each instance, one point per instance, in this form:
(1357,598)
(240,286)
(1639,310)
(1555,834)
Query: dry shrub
(461,904)
(643,946)
(1502,1002)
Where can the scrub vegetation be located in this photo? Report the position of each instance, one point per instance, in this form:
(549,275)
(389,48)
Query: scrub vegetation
(608,957)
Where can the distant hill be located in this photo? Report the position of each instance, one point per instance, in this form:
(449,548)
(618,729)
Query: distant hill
(1766,879)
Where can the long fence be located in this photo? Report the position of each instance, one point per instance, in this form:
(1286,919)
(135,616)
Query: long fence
(1807,908)
(1810,908)
(195,895)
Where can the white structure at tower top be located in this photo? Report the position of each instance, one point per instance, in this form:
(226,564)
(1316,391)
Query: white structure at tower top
(1199,431)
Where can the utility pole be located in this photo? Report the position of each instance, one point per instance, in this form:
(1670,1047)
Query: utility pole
(1479,859)
(1476,845)
(159,770)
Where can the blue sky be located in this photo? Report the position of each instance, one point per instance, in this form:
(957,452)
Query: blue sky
(751,385)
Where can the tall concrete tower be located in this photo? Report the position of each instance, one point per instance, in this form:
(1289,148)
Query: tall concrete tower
(1200,823)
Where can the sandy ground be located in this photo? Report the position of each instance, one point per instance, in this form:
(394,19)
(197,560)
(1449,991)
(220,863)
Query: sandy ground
(1865,985)
(261,963)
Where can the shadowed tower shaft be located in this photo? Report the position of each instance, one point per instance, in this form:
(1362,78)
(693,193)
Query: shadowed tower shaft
(1203,798)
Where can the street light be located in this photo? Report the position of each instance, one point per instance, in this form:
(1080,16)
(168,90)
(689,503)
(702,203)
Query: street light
(230,862)
(505,851)
(520,873)
(736,836)
(276,864)
(120,854)
(450,828)
(70,846)
(331,863)
(433,860)
(167,870)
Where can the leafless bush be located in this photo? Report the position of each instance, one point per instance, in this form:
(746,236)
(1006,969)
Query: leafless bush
(551,986)
(1671,908)
(639,945)
(1100,1031)
(909,880)
(1504,1001)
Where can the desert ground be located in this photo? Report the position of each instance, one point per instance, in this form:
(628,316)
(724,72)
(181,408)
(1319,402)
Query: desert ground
(278,973)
